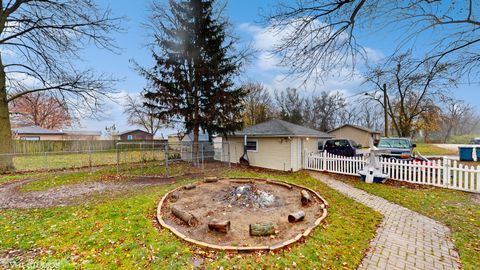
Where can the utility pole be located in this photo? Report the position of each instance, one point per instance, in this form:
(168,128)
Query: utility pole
(385,109)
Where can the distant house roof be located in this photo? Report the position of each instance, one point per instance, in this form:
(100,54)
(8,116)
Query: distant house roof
(357,127)
(131,131)
(83,132)
(280,128)
(36,130)
(202,137)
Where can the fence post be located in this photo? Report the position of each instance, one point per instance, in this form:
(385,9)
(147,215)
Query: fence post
(446,177)
(45,160)
(118,158)
(166,160)
(203,158)
(141,158)
(324,160)
(90,155)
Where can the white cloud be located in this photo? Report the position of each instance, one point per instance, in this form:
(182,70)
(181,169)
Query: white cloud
(267,69)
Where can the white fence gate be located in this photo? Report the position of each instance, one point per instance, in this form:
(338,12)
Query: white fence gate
(442,173)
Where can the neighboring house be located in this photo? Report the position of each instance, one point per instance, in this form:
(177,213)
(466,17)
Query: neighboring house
(202,137)
(76,135)
(274,144)
(135,135)
(36,133)
(358,134)
(175,138)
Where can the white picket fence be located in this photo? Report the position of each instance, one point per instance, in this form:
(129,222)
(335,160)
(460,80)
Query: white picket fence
(442,173)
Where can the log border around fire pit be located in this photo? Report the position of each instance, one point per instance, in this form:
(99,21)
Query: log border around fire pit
(249,248)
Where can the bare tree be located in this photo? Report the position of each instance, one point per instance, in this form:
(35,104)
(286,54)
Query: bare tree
(290,105)
(258,104)
(40,41)
(322,111)
(42,110)
(411,87)
(143,116)
(457,118)
(322,35)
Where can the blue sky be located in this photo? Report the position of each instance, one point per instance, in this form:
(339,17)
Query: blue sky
(245,16)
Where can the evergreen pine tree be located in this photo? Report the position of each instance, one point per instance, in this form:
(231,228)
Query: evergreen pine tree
(195,65)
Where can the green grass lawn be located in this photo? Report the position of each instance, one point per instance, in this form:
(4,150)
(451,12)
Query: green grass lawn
(120,231)
(51,161)
(456,209)
(430,149)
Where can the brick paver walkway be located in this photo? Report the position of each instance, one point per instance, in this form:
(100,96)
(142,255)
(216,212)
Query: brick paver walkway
(405,239)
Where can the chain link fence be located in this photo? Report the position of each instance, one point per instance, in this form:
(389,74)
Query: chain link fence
(144,158)
(128,157)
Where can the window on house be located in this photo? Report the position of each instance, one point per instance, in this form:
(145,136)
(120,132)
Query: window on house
(252,145)
(130,137)
(320,145)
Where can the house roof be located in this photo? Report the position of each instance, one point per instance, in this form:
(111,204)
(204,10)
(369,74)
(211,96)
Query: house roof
(83,132)
(36,130)
(130,131)
(357,127)
(280,128)
(202,136)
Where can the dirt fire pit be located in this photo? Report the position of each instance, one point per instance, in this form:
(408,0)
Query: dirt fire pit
(241,214)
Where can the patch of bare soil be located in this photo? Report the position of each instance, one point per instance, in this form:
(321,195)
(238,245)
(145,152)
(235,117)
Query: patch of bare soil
(11,197)
(389,182)
(242,204)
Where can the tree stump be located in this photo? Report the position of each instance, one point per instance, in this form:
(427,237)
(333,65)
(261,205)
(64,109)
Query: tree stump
(222,226)
(306,199)
(185,216)
(262,229)
(297,216)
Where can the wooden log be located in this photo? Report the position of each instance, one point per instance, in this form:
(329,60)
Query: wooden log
(190,186)
(297,216)
(210,179)
(185,216)
(262,229)
(306,199)
(285,185)
(222,226)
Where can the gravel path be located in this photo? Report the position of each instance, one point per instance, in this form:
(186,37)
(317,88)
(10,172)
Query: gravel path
(405,239)
(12,197)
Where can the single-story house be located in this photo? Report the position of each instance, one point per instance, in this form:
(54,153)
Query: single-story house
(274,144)
(202,137)
(37,133)
(135,135)
(360,135)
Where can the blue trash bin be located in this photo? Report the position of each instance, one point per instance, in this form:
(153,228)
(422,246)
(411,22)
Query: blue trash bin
(465,153)
(477,150)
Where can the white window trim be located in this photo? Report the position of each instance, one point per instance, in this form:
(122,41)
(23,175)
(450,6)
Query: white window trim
(256,143)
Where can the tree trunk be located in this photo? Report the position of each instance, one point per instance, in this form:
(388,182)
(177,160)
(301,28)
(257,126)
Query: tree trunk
(195,145)
(262,229)
(6,162)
